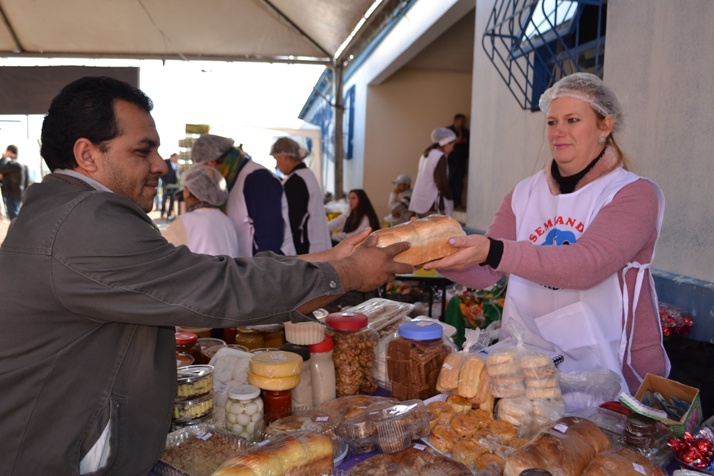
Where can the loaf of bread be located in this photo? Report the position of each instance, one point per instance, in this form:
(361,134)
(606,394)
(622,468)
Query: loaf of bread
(297,453)
(622,462)
(565,449)
(428,236)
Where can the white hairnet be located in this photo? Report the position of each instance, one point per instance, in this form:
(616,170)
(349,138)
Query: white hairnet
(210,147)
(287,146)
(443,136)
(206,183)
(587,88)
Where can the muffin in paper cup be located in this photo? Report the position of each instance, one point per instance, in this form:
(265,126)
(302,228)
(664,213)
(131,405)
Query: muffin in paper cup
(304,333)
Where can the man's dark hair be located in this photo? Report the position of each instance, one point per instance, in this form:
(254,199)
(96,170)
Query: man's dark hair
(460,116)
(11,148)
(85,109)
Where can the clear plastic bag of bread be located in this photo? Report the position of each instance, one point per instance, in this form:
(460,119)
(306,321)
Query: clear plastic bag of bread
(529,415)
(299,453)
(463,373)
(518,371)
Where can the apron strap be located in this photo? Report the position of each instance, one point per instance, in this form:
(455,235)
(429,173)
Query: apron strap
(625,353)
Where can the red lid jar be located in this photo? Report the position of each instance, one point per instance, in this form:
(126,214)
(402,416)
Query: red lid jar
(354,353)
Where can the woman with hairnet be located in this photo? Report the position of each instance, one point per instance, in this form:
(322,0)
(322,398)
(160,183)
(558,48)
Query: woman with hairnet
(306,209)
(577,240)
(432,193)
(204,228)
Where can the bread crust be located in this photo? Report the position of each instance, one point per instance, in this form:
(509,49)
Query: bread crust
(429,238)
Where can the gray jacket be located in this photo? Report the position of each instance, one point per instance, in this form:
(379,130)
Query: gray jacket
(89,292)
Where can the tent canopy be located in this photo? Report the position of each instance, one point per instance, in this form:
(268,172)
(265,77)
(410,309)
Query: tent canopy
(267,30)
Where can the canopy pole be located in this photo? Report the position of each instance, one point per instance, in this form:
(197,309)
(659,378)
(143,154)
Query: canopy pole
(337,70)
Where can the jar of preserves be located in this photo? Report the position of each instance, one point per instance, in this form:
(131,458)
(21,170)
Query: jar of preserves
(277,404)
(414,359)
(353,354)
(249,338)
(274,337)
(186,343)
(206,343)
(244,409)
(322,372)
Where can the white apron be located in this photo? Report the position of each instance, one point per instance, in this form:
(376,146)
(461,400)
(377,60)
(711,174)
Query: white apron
(585,326)
(238,212)
(315,219)
(425,194)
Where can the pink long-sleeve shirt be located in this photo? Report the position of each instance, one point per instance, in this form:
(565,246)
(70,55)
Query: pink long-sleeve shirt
(624,231)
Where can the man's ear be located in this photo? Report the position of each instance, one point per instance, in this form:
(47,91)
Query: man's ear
(86,154)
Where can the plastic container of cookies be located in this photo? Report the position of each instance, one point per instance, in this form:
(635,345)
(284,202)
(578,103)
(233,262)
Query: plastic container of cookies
(186,410)
(386,425)
(193,381)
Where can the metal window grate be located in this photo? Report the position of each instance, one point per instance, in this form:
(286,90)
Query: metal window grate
(533,43)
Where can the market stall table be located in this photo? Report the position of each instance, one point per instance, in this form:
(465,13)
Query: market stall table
(433,280)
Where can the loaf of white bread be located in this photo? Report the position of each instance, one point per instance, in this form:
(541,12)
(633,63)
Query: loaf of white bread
(299,453)
(566,448)
(428,236)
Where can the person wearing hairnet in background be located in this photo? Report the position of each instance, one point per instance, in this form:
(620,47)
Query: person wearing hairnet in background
(204,228)
(432,193)
(577,239)
(306,203)
(256,201)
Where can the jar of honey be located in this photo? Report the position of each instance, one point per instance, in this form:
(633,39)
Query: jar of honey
(249,338)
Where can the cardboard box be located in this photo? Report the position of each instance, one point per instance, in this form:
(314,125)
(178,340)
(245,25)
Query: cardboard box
(668,388)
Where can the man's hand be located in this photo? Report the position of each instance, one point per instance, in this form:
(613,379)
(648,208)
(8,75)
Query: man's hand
(369,267)
(473,251)
(343,249)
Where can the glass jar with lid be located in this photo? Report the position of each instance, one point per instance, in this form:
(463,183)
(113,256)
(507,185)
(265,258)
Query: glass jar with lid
(244,410)
(273,336)
(414,359)
(278,404)
(249,338)
(353,353)
(186,343)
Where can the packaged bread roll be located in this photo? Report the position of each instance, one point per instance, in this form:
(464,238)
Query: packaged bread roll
(470,376)
(429,238)
(291,454)
(449,373)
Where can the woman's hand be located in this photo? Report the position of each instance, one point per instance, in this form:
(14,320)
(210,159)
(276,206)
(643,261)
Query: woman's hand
(473,250)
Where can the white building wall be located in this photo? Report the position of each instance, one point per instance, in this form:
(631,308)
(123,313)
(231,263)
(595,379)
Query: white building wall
(658,60)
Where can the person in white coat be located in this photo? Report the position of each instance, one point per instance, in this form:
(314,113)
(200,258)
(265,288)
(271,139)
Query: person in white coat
(204,228)
(432,194)
(256,200)
(306,207)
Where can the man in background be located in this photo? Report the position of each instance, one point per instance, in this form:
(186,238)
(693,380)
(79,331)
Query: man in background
(399,199)
(14,181)
(169,185)
(459,158)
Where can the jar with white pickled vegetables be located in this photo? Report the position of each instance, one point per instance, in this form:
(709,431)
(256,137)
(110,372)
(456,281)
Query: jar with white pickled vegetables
(244,409)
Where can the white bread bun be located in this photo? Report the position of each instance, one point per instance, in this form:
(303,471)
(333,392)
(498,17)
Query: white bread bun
(428,236)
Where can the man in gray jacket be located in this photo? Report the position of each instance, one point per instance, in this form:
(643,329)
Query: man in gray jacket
(89,292)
